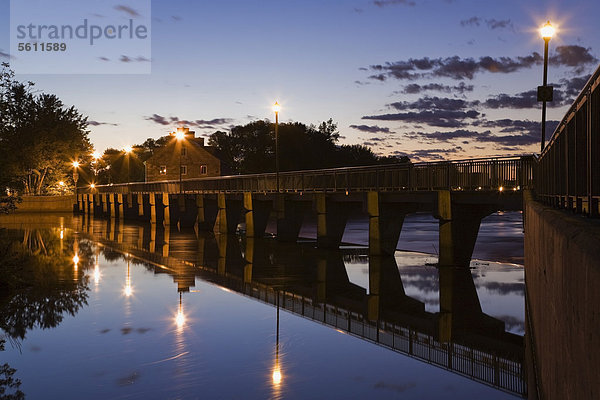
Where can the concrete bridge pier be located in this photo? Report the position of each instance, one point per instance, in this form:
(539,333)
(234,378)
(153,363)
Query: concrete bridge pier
(230,256)
(120,205)
(460,309)
(290,215)
(159,208)
(184,210)
(105,202)
(256,215)
(386,291)
(130,206)
(385,223)
(112,205)
(206,213)
(331,220)
(458,229)
(228,215)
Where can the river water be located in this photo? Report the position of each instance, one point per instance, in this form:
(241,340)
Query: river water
(147,312)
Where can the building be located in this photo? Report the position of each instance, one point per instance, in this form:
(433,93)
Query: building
(188,153)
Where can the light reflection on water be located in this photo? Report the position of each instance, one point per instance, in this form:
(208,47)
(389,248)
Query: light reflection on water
(195,327)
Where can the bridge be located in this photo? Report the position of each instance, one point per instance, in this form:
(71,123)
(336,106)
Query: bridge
(458,193)
(314,284)
(559,193)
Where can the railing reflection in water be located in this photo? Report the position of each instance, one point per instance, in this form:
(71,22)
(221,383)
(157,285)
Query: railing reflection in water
(186,256)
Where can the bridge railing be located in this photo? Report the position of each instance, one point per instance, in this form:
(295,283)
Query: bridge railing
(476,174)
(569,167)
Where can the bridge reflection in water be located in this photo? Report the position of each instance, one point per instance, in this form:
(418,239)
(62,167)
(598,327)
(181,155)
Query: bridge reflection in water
(313,283)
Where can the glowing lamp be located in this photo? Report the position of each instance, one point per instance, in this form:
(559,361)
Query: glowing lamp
(547,31)
(276,107)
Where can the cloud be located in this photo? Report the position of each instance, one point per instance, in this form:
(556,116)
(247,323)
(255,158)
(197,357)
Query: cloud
(451,67)
(573,86)
(127,59)
(524,132)
(428,154)
(97,123)
(445,136)
(370,128)
(199,123)
(434,103)
(565,92)
(458,68)
(415,88)
(491,23)
(499,23)
(128,10)
(473,21)
(526,99)
(446,119)
(573,56)
(158,119)
(384,3)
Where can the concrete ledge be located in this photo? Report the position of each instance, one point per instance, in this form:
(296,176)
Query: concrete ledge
(562,269)
(46,204)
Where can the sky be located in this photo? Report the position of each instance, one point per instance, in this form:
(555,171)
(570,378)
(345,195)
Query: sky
(431,79)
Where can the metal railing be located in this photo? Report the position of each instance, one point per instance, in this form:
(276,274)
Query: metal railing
(476,174)
(568,174)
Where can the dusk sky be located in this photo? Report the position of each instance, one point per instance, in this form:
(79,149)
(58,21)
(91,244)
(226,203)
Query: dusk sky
(435,79)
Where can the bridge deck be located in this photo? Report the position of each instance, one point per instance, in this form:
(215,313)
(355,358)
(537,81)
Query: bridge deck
(508,173)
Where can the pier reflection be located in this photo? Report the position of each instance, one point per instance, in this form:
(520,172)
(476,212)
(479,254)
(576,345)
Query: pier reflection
(314,284)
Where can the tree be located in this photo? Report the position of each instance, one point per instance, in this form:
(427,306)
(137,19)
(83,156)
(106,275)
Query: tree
(251,148)
(39,136)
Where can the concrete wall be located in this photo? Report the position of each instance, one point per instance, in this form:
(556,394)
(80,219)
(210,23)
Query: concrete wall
(562,270)
(46,204)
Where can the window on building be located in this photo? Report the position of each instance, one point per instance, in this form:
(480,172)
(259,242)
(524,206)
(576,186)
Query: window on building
(184,170)
(203,170)
(162,170)
(184,151)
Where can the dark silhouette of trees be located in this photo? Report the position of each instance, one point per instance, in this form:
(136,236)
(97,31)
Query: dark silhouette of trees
(250,148)
(39,137)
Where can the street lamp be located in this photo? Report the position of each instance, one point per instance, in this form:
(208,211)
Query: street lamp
(180,135)
(545,91)
(75,174)
(127,150)
(276,109)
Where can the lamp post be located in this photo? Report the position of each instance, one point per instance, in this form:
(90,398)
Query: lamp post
(545,91)
(128,150)
(276,109)
(180,135)
(75,174)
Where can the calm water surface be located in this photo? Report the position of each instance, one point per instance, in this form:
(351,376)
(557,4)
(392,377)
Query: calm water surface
(153,313)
